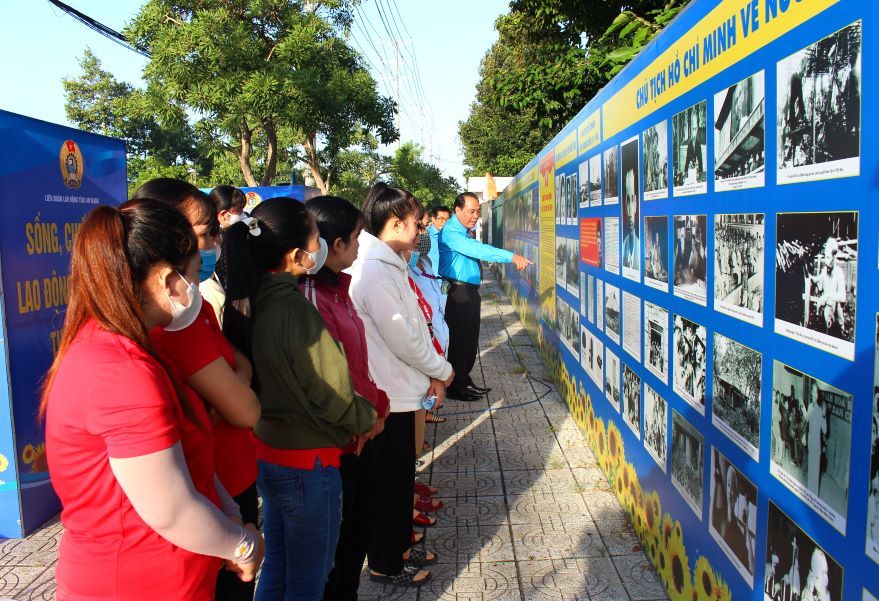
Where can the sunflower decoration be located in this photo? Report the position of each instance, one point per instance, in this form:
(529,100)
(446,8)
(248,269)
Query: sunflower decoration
(663,565)
(4,462)
(599,438)
(652,514)
(704,581)
(680,584)
(666,530)
(615,447)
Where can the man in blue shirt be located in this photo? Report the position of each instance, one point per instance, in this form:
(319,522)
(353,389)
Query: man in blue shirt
(439,215)
(459,256)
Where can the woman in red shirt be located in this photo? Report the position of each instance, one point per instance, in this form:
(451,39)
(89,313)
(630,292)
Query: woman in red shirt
(203,358)
(129,452)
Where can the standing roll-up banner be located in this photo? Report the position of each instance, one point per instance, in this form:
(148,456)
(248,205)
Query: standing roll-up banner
(706,295)
(51,176)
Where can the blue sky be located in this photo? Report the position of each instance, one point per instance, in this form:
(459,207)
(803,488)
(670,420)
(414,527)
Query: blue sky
(41,45)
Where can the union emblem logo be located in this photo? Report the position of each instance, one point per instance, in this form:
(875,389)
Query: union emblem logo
(253,199)
(72,165)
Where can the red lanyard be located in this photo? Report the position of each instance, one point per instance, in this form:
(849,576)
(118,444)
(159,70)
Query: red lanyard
(428,315)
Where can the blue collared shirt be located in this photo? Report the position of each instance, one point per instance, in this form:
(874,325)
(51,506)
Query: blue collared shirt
(459,255)
(433,255)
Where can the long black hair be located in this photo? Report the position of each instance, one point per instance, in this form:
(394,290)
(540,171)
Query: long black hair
(335,217)
(284,224)
(189,200)
(226,198)
(384,203)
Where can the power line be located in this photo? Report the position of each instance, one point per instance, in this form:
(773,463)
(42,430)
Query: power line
(94,25)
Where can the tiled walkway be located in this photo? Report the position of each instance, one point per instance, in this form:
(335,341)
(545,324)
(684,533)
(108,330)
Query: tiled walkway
(528,515)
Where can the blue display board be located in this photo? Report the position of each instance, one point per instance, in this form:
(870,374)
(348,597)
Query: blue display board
(50,177)
(705,291)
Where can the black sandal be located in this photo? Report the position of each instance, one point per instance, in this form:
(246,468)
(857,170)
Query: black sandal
(418,557)
(403,578)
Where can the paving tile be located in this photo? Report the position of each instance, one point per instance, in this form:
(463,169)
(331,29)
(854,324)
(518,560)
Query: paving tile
(639,578)
(452,485)
(473,582)
(474,511)
(16,579)
(518,482)
(463,544)
(573,540)
(537,509)
(571,580)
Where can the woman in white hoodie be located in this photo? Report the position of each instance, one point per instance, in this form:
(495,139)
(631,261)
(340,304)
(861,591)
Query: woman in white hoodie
(404,362)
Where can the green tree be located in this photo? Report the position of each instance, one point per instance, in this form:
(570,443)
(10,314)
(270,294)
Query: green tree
(409,170)
(270,81)
(551,58)
(96,101)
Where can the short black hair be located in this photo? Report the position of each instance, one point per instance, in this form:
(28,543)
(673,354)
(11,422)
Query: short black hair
(335,217)
(440,208)
(461,199)
(383,203)
(189,200)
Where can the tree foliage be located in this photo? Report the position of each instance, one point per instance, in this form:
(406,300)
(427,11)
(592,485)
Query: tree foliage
(550,59)
(270,81)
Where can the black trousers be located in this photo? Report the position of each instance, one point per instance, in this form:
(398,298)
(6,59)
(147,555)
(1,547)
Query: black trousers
(390,510)
(229,586)
(359,485)
(463,311)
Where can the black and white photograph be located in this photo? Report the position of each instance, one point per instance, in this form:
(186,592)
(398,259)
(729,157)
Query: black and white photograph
(612,379)
(567,258)
(583,189)
(739,135)
(690,153)
(631,211)
(690,353)
(572,198)
(691,258)
(736,396)
(656,340)
(611,246)
(816,263)
(568,321)
(656,252)
(796,567)
(590,299)
(739,245)
(611,176)
(656,426)
(595,181)
(873,492)
(632,400)
(819,109)
(687,461)
(612,312)
(632,325)
(560,200)
(811,441)
(733,515)
(592,356)
(599,305)
(582,293)
(655,161)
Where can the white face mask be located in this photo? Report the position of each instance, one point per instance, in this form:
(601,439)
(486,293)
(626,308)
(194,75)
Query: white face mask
(319,257)
(235,218)
(183,316)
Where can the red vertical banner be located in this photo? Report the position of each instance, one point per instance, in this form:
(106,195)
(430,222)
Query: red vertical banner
(590,241)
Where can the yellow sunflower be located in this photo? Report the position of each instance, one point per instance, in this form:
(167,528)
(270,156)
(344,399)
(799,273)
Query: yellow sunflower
(704,581)
(621,486)
(667,529)
(615,442)
(663,565)
(680,581)
(4,463)
(653,513)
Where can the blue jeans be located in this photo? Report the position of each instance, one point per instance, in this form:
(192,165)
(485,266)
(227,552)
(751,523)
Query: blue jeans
(302,511)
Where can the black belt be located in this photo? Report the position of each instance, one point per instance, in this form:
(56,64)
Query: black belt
(460,283)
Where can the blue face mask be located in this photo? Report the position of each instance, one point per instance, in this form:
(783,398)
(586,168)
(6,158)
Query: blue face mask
(209,260)
(413,260)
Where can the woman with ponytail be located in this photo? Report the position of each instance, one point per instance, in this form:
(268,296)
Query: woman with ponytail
(310,409)
(202,357)
(129,452)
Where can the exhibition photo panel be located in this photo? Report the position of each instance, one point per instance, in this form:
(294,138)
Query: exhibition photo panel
(736,399)
(632,400)
(656,252)
(690,352)
(873,492)
(811,441)
(733,515)
(611,176)
(740,135)
(690,258)
(687,461)
(689,151)
(612,312)
(631,210)
(655,161)
(739,249)
(816,266)
(796,566)
(655,426)
(612,379)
